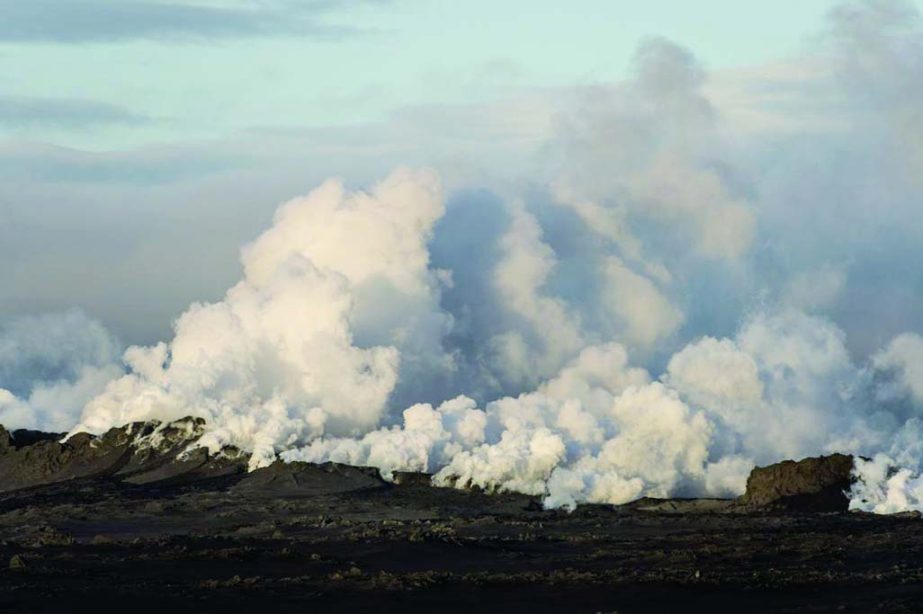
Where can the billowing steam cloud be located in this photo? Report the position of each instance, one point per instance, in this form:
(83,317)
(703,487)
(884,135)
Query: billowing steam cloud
(50,366)
(672,304)
(602,431)
(311,341)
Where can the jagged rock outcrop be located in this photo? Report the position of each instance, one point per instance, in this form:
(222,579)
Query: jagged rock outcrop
(818,484)
(25,437)
(137,453)
(161,454)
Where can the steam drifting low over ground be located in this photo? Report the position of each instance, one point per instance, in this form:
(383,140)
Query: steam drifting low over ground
(677,295)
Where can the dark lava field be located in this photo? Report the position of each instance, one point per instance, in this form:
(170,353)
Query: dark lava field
(121,523)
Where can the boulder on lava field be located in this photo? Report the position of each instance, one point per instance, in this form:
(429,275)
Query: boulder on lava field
(818,484)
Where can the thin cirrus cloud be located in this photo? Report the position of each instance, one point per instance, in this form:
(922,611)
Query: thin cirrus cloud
(89,21)
(149,166)
(34,112)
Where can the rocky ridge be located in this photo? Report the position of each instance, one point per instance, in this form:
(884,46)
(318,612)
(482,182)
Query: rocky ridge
(166,453)
(137,453)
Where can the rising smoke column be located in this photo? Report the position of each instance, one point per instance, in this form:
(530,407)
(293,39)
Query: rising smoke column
(310,341)
(339,321)
(784,385)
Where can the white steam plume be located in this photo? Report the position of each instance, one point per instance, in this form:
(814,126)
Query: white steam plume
(673,304)
(310,341)
(602,431)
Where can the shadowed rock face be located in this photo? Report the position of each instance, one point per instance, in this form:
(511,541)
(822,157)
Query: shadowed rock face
(816,484)
(25,437)
(164,454)
(138,453)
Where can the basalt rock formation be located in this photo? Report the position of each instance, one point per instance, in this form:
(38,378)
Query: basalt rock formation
(164,454)
(137,453)
(818,484)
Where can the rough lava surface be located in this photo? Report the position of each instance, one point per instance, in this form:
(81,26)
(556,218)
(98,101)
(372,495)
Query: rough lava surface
(195,531)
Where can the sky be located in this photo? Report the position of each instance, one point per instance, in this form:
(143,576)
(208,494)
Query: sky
(98,75)
(149,140)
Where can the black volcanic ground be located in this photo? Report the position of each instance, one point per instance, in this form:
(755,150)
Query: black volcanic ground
(119,523)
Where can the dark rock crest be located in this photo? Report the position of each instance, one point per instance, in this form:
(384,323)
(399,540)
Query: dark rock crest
(818,484)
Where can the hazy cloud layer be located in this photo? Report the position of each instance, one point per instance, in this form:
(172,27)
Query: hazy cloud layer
(83,21)
(22,112)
